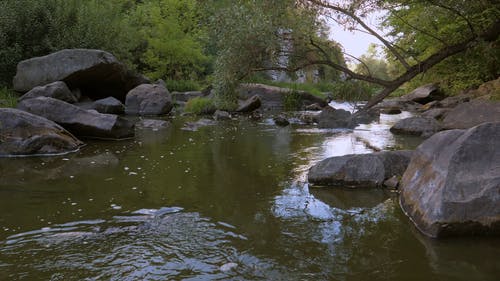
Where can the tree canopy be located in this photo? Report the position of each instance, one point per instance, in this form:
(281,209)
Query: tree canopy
(422,34)
(222,41)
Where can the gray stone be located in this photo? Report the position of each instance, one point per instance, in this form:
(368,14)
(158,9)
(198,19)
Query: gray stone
(281,121)
(359,170)
(109,105)
(419,126)
(364,117)
(272,97)
(391,110)
(153,124)
(22,133)
(452,185)
(453,101)
(79,122)
(314,107)
(424,94)
(403,105)
(392,182)
(185,96)
(436,113)
(57,90)
(220,115)
(333,118)
(97,73)
(148,99)
(470,114)
(194,126)
(250,104)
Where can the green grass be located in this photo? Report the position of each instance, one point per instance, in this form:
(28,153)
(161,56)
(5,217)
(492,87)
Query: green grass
(200,106)
(316,89)
(183,85)
(8,98)
(292,101)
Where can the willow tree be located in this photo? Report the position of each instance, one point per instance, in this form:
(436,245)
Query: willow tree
(253,35)
(422,34)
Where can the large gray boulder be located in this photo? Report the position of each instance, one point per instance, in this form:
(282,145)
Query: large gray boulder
(80,122)
(148,99)
(57,90)
(452,185)
(417,125)
(424,94)
(470,114)
(273,97)
(97,73)
(22,133)
(359,170)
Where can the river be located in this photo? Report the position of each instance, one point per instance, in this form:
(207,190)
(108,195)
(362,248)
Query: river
(226,202)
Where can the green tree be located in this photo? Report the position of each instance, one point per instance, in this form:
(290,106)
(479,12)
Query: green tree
(173,39)
(413,47)
(37,27)
(255,35)
(370,64)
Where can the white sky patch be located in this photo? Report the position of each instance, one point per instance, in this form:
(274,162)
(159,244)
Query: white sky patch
(356,42)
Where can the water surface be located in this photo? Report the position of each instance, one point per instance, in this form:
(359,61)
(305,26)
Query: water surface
(226,202)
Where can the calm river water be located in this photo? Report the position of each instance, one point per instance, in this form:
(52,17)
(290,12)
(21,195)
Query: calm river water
(227,202)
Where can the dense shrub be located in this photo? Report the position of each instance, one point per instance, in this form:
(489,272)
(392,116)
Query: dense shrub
(200,106)
(8,98)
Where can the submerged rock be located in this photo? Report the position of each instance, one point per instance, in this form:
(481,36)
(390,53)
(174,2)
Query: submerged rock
(418,126)
(220,115)
(152,124)
(57,90)
(85,123)
(281,121)
(359,170)
(452,185)
(97,73)
(22,133)
(194,126)
(148,99)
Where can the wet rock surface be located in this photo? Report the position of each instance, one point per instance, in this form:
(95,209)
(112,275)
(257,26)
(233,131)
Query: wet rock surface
(80,122)
(22,133)
(359,170)
(452,185)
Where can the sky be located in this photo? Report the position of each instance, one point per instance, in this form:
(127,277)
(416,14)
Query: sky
(355,43)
